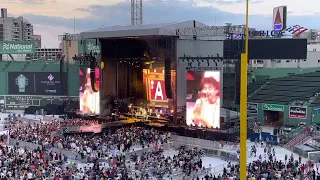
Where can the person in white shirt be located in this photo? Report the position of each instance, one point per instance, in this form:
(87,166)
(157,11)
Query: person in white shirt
(30,175)
(207,108)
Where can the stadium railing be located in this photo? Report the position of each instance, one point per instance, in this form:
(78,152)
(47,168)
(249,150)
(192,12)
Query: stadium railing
(22,59)
(32,146)
(291,135)
(195,141)
(210,148)
(219,169)
(314,156)
(299,151)
(76,156)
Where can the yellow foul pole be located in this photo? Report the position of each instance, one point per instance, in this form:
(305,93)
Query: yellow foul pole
(243,101)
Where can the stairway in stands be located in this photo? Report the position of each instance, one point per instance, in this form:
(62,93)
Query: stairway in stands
(299,140)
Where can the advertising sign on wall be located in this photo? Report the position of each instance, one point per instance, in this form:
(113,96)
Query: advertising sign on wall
(35,83)
(280,18)
(252,108)
(17,47)
(273,107)
(298,112)
(87,46)
(203,98)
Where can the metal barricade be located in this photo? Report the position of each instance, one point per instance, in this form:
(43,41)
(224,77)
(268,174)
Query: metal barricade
(32,146)
(293,134)
(210,148)
(314,156)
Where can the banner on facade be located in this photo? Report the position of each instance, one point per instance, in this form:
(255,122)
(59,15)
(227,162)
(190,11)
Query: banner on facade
(17,47)
(298,112)
(252,108)
(273,107)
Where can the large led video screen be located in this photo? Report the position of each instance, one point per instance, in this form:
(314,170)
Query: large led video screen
(268,48)
(89,100)
(203,98)
(155,86)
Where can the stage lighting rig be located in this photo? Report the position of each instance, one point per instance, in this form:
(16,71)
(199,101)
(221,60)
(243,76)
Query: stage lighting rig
(86,60)
(190,60)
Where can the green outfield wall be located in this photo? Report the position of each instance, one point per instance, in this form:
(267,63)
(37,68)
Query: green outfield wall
(24,84)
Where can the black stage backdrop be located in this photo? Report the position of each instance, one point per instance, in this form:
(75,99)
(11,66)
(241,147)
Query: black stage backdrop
(35,83)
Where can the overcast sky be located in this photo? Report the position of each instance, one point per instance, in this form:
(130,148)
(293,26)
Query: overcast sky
(53,17)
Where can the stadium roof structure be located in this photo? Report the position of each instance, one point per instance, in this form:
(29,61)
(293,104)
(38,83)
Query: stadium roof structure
(163,29)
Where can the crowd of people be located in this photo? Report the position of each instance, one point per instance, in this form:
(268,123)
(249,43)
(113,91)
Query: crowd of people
(267,166)
(186,163)
(99,145)
(106,156)
(17,163)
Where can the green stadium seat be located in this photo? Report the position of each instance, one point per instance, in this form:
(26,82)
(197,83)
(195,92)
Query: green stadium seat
(286,89)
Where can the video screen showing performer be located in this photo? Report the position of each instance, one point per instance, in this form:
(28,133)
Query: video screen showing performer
(89,100)
(203,99)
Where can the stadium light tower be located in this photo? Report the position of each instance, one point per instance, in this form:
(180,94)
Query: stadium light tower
(136,12)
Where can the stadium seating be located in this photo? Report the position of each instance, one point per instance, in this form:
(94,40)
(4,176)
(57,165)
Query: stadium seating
(284,90)
(299,140)
(229,88)
(316,102)
(255,86)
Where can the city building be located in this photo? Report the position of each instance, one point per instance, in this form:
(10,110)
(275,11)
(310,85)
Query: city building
(313,36)
(37,39)
(47,54)
(69,48)
(15,28)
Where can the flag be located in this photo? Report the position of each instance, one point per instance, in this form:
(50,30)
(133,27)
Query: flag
(296,30)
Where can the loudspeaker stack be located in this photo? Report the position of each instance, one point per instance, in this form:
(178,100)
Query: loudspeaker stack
(167,78)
